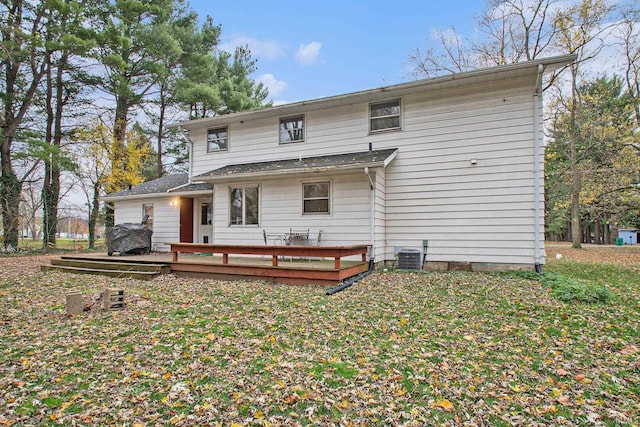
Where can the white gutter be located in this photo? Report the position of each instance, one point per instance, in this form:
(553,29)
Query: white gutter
(538,166)
(155,195)
(372,222)
(171,190)
(281,173)
(380,93)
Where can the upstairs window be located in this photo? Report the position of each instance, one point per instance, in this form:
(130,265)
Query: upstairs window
(292,129)
(243,209)
(217,140)
(315,197)
(384,116)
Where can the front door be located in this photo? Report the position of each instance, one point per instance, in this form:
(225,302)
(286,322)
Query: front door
(186,220)
(204,221)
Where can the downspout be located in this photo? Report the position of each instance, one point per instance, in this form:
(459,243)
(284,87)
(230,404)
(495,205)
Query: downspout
(350,281)
(538,166)
(372,223)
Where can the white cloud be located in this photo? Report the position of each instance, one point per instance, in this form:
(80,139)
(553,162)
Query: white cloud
(275,86)
(268,49)
(308,53)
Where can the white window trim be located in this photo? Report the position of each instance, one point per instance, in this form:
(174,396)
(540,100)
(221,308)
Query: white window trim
(226,128)
(144,212)
(329,197)
(399,115)
(304,129)
(244,212)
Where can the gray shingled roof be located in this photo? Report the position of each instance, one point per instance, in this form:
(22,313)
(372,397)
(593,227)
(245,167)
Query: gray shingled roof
(336,161)
(163,185)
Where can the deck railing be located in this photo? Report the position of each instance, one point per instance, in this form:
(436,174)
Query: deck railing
(275,251)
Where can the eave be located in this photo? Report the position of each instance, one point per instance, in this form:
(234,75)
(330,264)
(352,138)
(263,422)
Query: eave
(333,164)
(485,75)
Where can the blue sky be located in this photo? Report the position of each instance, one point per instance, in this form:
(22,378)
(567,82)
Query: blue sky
(312,49)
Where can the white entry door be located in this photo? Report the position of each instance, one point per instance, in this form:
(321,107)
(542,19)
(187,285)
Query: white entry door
(204,221)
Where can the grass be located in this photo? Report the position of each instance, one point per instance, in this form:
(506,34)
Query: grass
(398,348)
(30,245)
(566,288)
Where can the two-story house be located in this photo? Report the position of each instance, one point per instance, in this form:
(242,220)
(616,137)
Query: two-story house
(456,161)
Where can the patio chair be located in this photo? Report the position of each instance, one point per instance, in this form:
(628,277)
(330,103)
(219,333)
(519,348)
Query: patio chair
(272,239)
(298,237)
(317,241)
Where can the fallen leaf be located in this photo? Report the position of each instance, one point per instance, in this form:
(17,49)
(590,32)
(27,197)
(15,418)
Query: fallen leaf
(444,404)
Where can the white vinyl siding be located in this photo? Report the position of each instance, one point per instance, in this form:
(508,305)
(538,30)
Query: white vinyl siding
(281,209)
(166,219)
(380,215)
(469,213)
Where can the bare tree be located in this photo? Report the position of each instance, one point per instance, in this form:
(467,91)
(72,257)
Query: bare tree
(449,56)
(30,206)
(509,31)
(628,35)
(581,31)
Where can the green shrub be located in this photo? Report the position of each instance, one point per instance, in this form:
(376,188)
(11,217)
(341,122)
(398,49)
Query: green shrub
(566,288)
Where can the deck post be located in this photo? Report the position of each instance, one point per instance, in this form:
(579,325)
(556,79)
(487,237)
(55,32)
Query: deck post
(174,257)
(336,263)
(225,258)
(274,260)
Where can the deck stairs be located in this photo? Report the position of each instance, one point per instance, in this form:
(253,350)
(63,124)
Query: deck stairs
(116,267)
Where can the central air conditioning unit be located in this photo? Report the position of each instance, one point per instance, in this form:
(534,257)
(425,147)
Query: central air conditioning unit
(410,259)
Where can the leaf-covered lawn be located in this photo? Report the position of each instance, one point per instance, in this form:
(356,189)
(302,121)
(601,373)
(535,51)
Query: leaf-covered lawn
(398,348)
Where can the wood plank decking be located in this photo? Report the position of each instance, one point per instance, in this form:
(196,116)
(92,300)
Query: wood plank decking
(285,264)
(299,272)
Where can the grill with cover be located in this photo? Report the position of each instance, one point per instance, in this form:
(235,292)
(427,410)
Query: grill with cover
(129,238)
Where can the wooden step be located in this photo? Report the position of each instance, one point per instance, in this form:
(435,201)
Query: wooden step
(110,265)
(135,274)
(116,267)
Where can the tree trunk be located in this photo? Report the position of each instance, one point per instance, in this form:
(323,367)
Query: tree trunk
(160,131)
(10,189)
(93,216)
(120,127)
(50,191)
(575,170)
(50,194)
(597,235)
(120,134)
(575,206)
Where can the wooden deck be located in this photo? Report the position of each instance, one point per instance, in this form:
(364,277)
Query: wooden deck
(284,264)
(279,271)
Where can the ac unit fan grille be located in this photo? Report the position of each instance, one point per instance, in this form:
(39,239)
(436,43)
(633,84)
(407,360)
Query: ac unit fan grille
(410,259)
